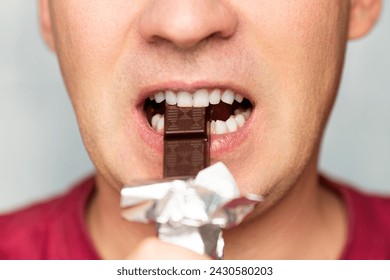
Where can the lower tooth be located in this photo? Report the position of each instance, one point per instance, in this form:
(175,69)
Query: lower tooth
(212,127)
(216,127)
(160,124)
(155,120)
(240,120)
(220,127)
(231,124)
(247,114)
(234,123)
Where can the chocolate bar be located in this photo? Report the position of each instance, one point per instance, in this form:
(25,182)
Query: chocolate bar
(186,141)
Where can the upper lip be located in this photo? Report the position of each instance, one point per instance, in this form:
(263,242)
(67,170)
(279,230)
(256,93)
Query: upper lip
(190,87)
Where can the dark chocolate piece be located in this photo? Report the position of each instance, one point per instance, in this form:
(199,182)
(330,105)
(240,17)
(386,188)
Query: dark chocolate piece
(186,141)
(185,157)
(185,122)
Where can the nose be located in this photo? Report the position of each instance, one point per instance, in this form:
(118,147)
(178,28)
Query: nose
(186,23)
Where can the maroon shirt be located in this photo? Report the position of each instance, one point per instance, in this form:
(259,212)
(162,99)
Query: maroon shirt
(56,229)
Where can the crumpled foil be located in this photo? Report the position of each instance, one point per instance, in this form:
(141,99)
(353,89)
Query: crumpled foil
(191,212)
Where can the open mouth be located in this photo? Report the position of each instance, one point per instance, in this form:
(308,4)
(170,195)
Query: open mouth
(229,110)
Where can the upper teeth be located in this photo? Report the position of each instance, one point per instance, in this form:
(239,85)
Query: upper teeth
(200,98)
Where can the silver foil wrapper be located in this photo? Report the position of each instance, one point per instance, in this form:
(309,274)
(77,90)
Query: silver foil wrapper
(191,212)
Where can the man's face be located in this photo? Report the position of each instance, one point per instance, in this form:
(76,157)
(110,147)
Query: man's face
(284,57)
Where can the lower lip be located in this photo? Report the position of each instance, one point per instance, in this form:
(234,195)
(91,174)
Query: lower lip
(220,143)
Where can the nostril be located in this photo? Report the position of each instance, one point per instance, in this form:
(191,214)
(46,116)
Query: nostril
(157,40)
(214,35)
(187,23)
(185,43)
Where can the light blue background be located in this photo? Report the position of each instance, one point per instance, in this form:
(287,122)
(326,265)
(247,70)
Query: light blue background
(42,153)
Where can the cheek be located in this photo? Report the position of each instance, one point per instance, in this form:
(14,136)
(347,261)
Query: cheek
(305,47)
(302,45)
(89,37)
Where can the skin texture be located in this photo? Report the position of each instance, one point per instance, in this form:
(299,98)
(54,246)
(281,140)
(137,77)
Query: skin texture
(287,56)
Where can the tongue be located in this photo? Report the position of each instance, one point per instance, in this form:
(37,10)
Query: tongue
(222,111)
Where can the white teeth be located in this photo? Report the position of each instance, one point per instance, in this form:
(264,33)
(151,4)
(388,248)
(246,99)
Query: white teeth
(215,96)
(160,124)
(247,114)
(228,96)
(184,99)
(238,98)
(159,97)
(170,97)
(231,124)
(212,127)
(155,120)
(240,120)
(220,127)
(201,98)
